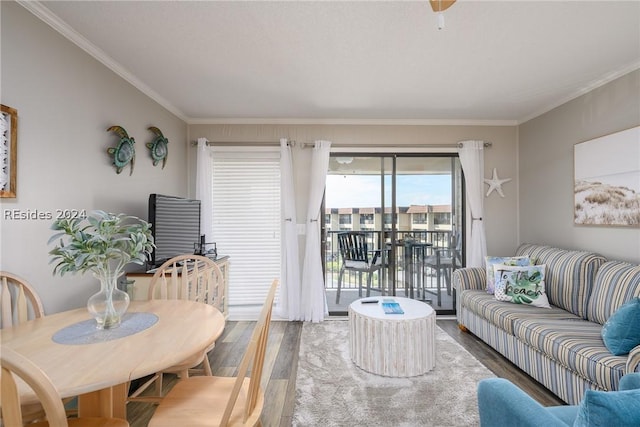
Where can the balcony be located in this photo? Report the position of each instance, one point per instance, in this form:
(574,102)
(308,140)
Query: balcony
(394,274)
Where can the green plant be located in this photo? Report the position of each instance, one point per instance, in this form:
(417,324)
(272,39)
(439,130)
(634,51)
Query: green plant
(102,243)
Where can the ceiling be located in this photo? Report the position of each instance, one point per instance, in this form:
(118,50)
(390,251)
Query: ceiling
(352,62)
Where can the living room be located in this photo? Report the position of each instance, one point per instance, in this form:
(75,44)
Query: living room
(66,99)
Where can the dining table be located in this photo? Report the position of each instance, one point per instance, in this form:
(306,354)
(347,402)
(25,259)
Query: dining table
(97,364)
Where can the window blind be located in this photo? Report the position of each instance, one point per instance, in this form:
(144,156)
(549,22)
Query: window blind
(246,221)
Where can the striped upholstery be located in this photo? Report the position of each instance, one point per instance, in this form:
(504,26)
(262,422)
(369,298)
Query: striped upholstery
(575,344)
(569,275)
(561,347)
(606,299)
(562,381)
(504,314)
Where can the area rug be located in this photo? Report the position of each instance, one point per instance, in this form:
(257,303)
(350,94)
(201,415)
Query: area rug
(332,392)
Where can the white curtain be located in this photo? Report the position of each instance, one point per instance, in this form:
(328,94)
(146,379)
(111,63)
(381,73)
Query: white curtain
(313,298)
(289,301)
(204,187)
(472,161)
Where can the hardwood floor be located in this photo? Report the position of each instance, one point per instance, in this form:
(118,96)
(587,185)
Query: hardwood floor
(282,361)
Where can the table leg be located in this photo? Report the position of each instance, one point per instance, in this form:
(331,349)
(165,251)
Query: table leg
(109,403)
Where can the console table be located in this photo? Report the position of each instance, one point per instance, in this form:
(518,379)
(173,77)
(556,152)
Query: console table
(139,289)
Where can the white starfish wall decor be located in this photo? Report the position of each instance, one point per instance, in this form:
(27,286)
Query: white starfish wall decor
(495,183)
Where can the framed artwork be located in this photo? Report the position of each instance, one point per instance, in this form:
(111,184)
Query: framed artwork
(607,180)
(8,151)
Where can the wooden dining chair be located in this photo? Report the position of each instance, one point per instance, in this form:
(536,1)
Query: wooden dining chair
(15,365)
(186,277)
(19,301)
(222,401)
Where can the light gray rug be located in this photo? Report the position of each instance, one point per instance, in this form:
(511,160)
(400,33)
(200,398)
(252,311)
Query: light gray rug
(332,392)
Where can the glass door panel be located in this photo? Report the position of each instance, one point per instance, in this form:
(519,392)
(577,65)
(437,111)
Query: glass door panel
(407,207)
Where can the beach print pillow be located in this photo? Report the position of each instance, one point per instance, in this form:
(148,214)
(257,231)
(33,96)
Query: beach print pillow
(521,285)
(490,261)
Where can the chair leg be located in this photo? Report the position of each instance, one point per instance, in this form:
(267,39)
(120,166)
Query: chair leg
(339,284)
(369,277)
(438,284)
(360,284)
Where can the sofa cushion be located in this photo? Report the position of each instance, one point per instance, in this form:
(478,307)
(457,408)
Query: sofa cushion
(621,332)
(577,345)
(521,285)
(599,408)
(503,314)
(616,282)
(490,261)
(570,275)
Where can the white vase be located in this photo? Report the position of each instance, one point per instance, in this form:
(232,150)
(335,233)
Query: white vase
(110,303)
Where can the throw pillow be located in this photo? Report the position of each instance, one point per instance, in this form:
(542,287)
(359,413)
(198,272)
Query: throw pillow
(620,332)
(609,408)
(521,285)
(490,261)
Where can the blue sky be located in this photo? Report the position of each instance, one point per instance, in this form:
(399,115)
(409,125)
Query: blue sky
(360,191)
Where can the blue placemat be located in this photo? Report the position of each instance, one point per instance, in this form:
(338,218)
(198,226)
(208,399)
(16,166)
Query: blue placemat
(85,332)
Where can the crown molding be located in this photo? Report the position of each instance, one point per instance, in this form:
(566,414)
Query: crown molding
(356,122)
(603,80)
(48,17)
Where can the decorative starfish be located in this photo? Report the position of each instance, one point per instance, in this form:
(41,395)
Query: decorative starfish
(495,183)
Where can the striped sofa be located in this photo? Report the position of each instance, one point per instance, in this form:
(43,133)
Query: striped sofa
(560,347)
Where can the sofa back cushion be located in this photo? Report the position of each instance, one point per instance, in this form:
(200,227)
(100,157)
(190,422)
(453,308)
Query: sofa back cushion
(569,275)
(616,282)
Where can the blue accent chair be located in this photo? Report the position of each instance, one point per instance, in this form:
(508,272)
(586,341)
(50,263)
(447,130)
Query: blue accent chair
(501,403)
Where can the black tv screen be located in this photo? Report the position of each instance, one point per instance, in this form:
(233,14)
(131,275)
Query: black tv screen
(175,226)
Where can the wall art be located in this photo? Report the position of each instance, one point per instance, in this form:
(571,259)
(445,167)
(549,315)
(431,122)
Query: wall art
(158,147)
(607,180)
(124,152)
(8,151)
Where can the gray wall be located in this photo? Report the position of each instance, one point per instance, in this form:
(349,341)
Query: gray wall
(546,169)
(66,100)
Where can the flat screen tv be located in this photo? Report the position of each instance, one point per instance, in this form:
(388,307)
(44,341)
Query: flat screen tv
(175,224)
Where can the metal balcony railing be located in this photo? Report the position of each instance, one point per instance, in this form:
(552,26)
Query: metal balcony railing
(375,241)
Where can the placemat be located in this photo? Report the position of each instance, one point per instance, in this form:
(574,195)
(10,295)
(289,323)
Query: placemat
(85,332)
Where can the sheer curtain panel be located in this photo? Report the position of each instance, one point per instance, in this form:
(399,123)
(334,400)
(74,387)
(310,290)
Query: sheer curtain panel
(314,301)
(289,304)
(472,160)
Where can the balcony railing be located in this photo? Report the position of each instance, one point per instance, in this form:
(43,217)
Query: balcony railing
(375,241)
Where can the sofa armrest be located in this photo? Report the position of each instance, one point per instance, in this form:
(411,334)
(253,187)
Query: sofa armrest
(469,278)
(633,360)
(501,403)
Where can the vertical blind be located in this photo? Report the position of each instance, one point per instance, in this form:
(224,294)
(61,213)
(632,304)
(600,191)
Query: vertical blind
(246,220)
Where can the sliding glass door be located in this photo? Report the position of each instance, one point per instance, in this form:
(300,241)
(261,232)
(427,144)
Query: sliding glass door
(408,207)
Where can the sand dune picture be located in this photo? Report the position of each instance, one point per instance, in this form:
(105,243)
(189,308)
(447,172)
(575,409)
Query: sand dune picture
(607,180)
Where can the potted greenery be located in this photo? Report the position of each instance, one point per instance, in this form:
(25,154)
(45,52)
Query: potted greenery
(102,243)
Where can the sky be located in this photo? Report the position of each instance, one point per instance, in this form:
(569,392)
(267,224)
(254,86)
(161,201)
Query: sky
(363,191)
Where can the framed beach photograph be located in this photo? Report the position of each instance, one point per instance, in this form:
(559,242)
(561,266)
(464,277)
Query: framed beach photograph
(607,180)
(8,151)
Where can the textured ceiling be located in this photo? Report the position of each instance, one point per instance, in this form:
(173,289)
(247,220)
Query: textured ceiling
(352,61)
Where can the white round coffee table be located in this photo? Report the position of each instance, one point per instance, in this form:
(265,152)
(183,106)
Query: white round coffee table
(393,345)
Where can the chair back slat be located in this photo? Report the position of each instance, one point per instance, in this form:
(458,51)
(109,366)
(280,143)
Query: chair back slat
(188,277)
(353,246)
(254,357)
(19,301)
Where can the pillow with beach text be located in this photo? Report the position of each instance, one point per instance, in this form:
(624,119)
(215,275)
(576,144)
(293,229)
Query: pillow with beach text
(521,285)
(490,261)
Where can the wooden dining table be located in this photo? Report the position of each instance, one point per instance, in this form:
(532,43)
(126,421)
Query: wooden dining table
(98,367)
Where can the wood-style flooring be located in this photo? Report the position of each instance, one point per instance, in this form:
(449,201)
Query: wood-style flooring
(282,361)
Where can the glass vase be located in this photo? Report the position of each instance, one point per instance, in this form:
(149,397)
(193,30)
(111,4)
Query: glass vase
(110,303)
